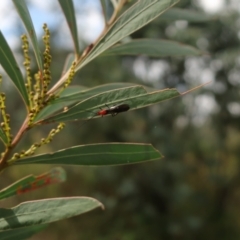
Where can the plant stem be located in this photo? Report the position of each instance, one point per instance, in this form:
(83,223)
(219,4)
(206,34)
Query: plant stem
(22,130)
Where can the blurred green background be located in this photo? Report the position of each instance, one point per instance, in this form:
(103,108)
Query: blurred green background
(194,192)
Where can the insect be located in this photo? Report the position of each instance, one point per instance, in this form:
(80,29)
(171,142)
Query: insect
(114,110)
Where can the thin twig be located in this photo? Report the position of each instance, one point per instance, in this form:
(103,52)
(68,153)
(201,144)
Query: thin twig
(22,130)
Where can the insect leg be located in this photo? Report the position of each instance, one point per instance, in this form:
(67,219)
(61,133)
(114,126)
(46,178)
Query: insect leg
(114,114)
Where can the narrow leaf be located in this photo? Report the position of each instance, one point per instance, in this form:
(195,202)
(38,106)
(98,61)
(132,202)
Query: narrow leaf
(153,48)
(30,183)
(45,211)
(75,95)
(11,67)
(50,110)
(13,189)
(84,94)
(69,97)
(68,63)
(70,90)
(89,108)
(68,10)
(27,21)
(130,21)
(184,14)
(21,233)
(56,106)
(97,155)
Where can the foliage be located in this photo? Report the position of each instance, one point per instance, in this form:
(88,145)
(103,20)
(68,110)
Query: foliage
(48,103)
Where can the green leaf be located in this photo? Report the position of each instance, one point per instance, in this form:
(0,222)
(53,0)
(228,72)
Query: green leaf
(153,48)
(97,155)
(56,106)
(135,97)
(75,94)
(71,90)
(88,107)
(68,63)
(84,94)
(68,10)
(27,21)
(11,67)
(13,189)
(45,211)
(21,233)
(30,183)
(183,14)
(50,110)
(130,21)
(3,136)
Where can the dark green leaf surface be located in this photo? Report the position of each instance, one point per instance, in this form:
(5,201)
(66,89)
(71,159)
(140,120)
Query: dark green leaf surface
(56,106)
(3,136)
(84,94)
(183,14)
(135,97)
(11,67)
(45,211)
(97,155)
(75,94)
(88,107)
(153,48)
(27,21)
(21,233)
(71,90)
(51,110)
(13,189)
(30,183)
(130,21)
(68,10)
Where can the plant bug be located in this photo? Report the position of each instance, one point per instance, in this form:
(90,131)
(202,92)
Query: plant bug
(114,110)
